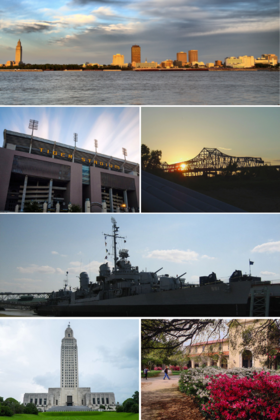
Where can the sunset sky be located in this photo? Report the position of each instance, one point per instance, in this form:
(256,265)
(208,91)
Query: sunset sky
(181,133)
(114,128)
(75,31)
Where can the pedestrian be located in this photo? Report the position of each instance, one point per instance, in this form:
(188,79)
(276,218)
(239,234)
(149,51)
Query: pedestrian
(166,373)
(146,373)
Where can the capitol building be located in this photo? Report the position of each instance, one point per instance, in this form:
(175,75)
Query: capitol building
(69,397)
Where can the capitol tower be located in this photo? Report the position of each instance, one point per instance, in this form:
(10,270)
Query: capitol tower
(18,57)
(69,360)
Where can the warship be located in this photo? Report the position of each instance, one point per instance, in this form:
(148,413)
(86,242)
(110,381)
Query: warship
(124,290)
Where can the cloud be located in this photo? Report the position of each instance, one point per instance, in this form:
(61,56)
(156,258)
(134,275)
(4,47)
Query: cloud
(57,253)
(121,357)
(268,247)
(206,257)
(173,255)
(104,11)
(269,274)
(33,268)
(223,148)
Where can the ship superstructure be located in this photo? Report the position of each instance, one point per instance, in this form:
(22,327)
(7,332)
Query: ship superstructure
(125,290)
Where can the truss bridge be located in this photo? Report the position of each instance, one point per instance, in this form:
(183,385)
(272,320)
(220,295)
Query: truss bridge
(212,161)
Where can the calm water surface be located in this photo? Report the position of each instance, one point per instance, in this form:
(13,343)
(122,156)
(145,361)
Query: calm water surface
(131,88)
(17,312)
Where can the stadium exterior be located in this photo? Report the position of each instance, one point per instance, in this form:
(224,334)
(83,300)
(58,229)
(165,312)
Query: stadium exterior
(36,169)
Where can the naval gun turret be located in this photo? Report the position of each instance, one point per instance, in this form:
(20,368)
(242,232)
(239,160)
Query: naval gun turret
(171,283)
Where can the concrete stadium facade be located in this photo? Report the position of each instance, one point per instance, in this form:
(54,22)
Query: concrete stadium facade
(35,169)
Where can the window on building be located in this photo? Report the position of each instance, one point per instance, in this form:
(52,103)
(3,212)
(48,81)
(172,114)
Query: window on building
(45,401)
(93,401)
(203,348)
(40,401)
(195,349)
(56,402)
(31,400)
(98,400)
(220,346)
(35,401)
(107,400)
(102,400)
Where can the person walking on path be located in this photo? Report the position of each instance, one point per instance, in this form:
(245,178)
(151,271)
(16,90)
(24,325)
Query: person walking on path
(146,373)
(166,373)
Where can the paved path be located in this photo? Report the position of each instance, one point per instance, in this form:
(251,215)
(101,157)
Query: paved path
(162,400)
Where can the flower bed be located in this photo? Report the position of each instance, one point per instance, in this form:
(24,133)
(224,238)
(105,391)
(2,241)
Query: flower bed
(238,393)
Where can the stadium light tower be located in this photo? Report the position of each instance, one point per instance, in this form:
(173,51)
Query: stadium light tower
(96,145)
(33,125)
(124,151)
(75,139)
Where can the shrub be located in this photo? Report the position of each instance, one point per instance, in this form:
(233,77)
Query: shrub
(157,368)
(5,411)
(30,408)
(245,398)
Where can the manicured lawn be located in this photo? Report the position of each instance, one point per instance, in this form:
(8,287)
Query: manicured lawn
(75,416)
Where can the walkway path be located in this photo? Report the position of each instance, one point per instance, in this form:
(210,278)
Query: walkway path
(162,400)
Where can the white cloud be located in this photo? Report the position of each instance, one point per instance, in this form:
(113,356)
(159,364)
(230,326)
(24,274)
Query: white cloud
(268,247)
(269,274)
(54,252)
(106,11)
(173,255)
(34,268)
(206,257)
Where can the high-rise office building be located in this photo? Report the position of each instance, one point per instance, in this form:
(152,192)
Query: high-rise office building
(193,55)
(182,56)
(136,54)
(18,52)
(118,60)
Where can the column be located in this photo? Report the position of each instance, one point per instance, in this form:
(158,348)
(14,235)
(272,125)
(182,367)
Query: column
(24,193)
(50,193)
(111,200)
(125,199)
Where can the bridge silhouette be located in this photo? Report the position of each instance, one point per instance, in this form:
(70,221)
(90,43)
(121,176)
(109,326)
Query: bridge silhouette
(212,160)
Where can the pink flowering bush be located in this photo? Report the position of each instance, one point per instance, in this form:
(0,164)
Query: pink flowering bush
(174,367)
(248,398)
(185,367)
(158,368)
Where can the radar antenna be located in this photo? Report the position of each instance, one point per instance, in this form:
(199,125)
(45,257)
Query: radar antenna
(115,236)
(66,281)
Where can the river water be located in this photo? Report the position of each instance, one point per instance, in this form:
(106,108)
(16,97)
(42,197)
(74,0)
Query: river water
(17,312)
(140,88)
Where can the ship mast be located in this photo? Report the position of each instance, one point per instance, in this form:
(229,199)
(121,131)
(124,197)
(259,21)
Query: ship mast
(115,236)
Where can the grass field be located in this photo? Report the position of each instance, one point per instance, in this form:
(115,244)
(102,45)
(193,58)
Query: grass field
(100,415)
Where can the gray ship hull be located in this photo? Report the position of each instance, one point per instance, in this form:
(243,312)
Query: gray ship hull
(210,300)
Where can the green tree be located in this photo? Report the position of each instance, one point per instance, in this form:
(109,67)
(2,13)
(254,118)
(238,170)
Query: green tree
(145,155)
(5,411)
(32,207)
(30,408)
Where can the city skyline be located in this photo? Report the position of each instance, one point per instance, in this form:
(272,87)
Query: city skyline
(114,128)
(181,133)
(64,32)
(178,243)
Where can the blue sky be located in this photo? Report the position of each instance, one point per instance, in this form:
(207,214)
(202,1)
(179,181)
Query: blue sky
(75,31)
(30,355)
(37,250)
(181,133)
(114,128)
